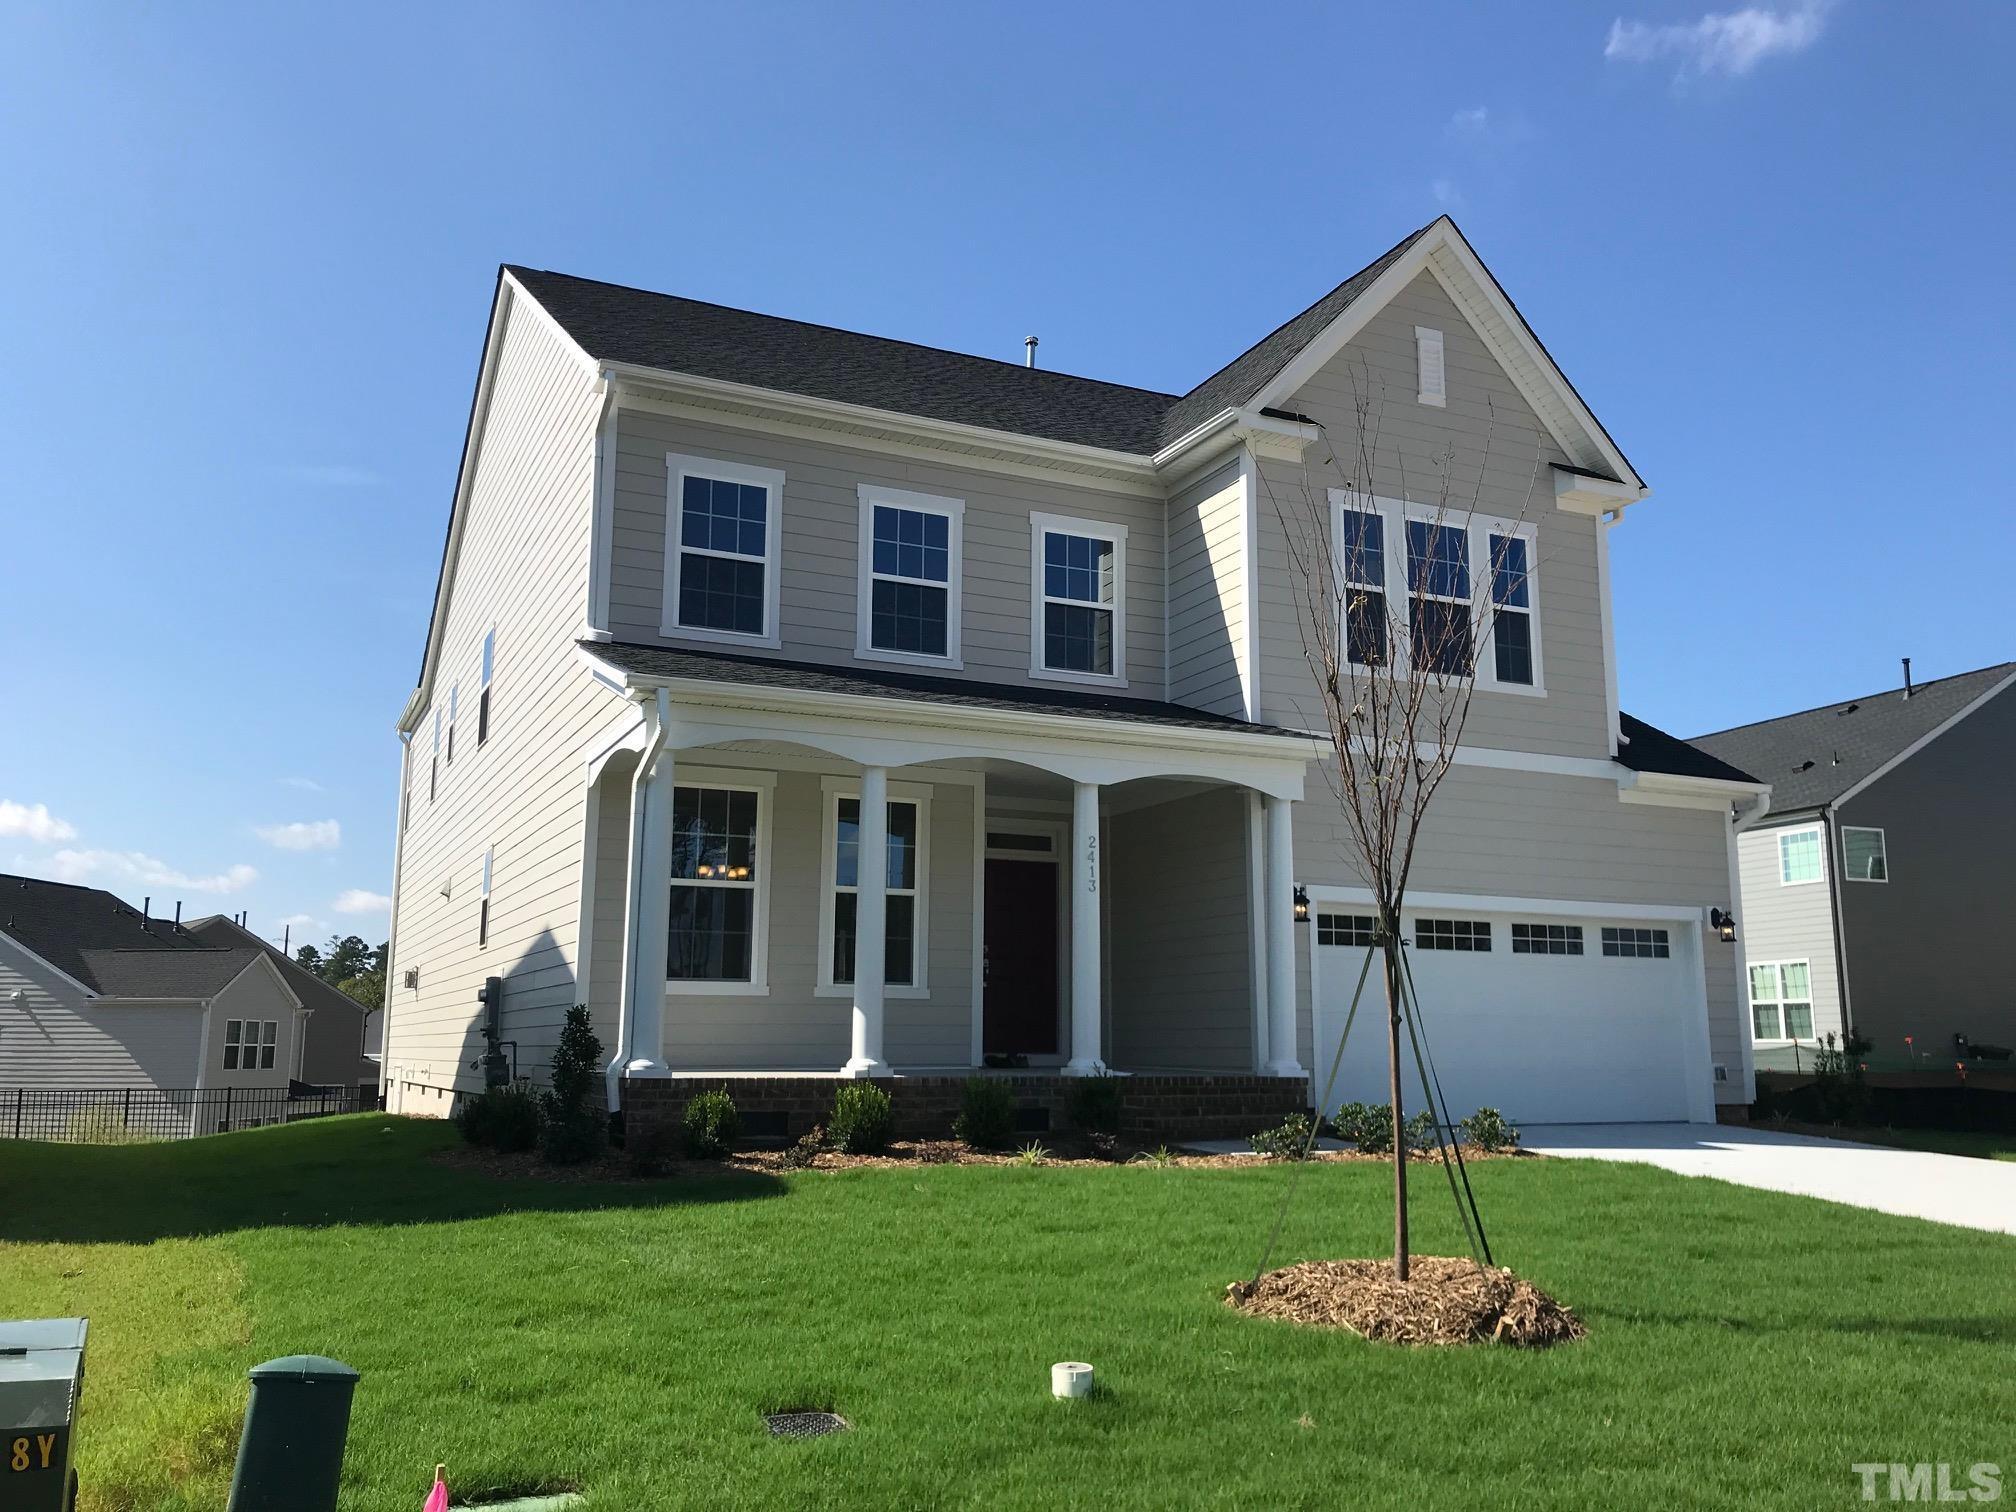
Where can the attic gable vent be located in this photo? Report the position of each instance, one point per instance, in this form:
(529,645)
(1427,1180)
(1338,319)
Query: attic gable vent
(1428,354)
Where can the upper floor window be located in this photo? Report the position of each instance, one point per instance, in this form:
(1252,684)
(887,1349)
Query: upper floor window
(1798,857)
(249,1044)
(1438,602)
(1863,857)
(722,540)
(909,576)
(483,703)
(1362,546)
(1511,605)
(719,859)
(1080,572)
(1428,362)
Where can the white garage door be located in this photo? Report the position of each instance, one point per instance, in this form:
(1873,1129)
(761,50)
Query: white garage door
(1547,1019)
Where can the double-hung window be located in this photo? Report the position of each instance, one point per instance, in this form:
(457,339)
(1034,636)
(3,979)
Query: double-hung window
(1361,540)
(483,907)
(1799,857)
(910,570)
(1080,573)
(1511,605)
(722,539)
(1781,1001)
(1438,596)
(906,853)
(719,860)
(483,702)
(249,1044)
(1863,856)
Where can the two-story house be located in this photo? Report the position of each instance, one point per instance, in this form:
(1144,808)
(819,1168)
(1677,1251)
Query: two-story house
(729,602)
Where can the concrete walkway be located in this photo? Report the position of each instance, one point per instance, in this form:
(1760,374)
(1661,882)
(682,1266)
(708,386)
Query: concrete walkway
(1944,1188)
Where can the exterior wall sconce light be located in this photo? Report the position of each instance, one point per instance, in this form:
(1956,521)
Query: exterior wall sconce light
(1725,925)
(1301,905)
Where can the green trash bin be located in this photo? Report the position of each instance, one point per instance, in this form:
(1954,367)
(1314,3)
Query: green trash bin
(291,1456)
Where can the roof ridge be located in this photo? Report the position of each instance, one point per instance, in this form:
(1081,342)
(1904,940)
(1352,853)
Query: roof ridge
(820,325)
(1917,689)
(52,882)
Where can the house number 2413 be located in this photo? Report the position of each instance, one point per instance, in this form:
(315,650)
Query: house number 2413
(1091,863)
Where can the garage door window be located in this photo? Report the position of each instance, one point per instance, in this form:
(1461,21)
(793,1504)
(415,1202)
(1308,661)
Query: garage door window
(1781,1000)
(1452,934)
(1547,939)
(1637,944)
(1345,929)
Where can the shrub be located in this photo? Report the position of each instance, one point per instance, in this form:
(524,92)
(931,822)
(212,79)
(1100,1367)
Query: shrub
(1103,1146)
(1419,1131)
(1161,1157)
(986,1113)
(1840,1092)
(1032,1154)
(1489,1130)
(862,1121)
(1287,1140)
(1093,1104)
(806,1150)
(711,1125)
(503,1118)
(1367,1126)
(101,1124)
(577,1124)
(648,1149)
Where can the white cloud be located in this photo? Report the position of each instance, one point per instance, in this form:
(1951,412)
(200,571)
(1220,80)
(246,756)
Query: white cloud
(301,921)
(137,868)
(33,821)
(306,784)
(331,475)
(357,900)
(316,834)
(1476,118)
(1731,42)
(1447,195)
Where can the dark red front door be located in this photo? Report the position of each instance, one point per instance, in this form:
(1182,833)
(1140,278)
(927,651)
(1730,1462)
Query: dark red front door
(1019,1015)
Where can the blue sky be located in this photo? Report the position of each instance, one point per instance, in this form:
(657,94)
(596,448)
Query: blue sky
(250,251)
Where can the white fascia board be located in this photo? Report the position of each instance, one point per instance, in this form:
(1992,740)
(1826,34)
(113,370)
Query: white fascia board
(1920,743)
(1578,493)
(1677,791)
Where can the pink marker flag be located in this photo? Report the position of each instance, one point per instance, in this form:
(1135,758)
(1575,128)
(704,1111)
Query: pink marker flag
(437,1499)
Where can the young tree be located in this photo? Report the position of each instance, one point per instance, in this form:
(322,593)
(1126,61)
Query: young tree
(1395,679)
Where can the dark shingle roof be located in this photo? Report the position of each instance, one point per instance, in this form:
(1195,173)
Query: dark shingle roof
(618,324)
(1813,757)
(102,941)
(874,682)
(1646,748)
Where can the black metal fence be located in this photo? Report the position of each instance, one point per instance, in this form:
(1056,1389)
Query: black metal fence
(132,1115)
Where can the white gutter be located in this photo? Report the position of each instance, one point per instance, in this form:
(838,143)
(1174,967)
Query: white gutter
(660,717)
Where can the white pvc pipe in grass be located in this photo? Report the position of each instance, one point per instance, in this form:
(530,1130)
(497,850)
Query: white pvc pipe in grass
(1070,1378)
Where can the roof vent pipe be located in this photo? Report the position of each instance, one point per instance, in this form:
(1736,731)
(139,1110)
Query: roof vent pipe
(1907,677)
(146,908)
(1030,343)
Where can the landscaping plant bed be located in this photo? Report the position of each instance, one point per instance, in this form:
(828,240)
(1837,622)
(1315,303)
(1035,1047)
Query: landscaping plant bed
(1443,1301)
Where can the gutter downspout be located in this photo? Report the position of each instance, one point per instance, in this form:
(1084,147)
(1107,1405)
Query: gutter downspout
(659,717)
(404,817)
(1830,824)
(1742,816)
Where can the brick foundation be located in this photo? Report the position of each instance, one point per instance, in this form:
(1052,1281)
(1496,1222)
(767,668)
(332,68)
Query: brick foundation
(1172,1108)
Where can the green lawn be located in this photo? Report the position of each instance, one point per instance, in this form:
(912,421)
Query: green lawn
(1746,1348)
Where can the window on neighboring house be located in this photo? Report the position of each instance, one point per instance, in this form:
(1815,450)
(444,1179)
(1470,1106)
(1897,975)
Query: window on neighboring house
(483,905)
(1362,542)
(1547,939)
(234,1030)
(1511,607)
(902,933)
(715,858)
(1637,944)
(1863,858)
(1781,1001)
(1428,363)
(249,1044)
(483,702)
(1452,934)
(1798,857)
(722,522)
(1080,572)
(1438,587)
(910,575)
(269,1039)
(1345,929)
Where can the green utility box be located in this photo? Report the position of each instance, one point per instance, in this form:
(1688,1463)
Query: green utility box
(41,1376)
(291,1456)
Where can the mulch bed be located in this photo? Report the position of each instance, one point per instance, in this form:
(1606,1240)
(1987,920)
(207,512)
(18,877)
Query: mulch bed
(1443,1301)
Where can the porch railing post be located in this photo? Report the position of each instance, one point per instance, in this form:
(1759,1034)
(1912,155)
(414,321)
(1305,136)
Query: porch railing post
(1085,1058)
(1280,937)
(871,917)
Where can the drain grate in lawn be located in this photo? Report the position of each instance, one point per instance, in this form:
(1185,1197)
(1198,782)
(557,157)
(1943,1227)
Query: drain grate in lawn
(804,1425)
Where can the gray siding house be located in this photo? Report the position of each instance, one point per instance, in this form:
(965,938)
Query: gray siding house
(1874,889)
(730,601)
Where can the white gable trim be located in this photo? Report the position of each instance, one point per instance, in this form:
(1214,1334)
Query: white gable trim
(1921,742)
(1442,252)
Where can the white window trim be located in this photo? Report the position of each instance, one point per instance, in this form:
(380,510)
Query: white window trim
(1099,529)
(1431,360)
(831,791)
(1882,849)
(1777,970)
(764,786)
(1819,847)
(1394,515)
(679,467)
(954,511)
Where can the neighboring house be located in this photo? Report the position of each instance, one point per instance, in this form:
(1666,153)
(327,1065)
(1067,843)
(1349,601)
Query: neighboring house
(337,1045)
(1874,891)
(727,599)
(95,997)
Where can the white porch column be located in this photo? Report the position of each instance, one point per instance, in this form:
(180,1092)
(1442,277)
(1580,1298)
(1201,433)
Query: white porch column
(1084,875)
(871,916)
(642,1050)
(1281,938)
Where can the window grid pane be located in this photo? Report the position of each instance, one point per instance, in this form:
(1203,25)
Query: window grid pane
(1452,934)
(1547,939)
(912,543)
(720,593)
(1636,944)
(1509,573)
(1438,560)
(1799,857)
(1077,639)
(1363,547)
(1512,647)
(1863,855)
(1076,567)
(1365,627)
(716,515)
(909,617)
(1345,929)
(1441,635)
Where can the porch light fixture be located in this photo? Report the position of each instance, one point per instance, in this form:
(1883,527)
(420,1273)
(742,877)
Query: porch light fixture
(1301,905)
(1725,925)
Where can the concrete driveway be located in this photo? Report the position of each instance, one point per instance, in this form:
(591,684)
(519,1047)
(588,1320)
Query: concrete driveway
(1944,1188)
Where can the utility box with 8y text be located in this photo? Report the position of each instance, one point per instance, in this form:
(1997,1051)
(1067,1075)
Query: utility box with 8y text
(41,1374)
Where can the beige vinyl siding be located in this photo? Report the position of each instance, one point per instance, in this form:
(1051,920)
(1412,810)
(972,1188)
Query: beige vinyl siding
(1796,923)
(57,1038)
(794,1026)
(1541,835)
(611,896)
(821,545)
(1207,592)
(522,570)
(1179,940)
(1500,467)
